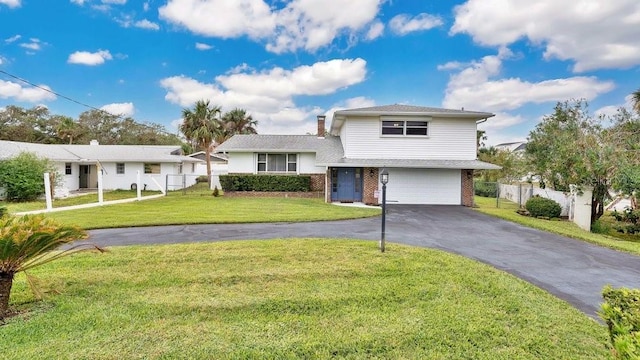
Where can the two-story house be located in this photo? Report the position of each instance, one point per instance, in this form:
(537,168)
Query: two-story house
(430,154)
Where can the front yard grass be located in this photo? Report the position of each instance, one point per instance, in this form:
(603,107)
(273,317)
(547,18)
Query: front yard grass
(297,298)
(177,209)
(507,211)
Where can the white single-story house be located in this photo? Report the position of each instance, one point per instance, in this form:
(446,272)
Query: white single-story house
(219,163)
(160,166)
(429,153)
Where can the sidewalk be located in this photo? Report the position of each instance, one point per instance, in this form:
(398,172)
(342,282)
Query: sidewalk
(85,206)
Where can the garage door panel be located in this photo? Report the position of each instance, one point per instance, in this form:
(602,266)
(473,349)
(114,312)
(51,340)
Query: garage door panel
(424,186)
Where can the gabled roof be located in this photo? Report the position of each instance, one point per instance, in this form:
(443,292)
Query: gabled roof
(219,157)
(91,153)
(404,110)
(326,149)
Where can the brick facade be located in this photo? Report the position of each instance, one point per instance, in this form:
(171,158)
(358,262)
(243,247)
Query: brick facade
(370,186)
(317,182)
(467,187)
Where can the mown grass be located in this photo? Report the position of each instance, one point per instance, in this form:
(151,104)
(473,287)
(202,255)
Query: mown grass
(14,207)
(176,209)
(508,209)
(284,299)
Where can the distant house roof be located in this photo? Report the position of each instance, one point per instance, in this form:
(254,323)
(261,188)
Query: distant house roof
(516,146)
(91,153)
(404,110)
(215,157)
(326,149)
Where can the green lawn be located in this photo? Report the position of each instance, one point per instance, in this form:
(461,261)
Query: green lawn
(508,209)
(179,209)
(279,299)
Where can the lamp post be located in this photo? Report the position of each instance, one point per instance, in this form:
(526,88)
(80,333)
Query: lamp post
(384,179)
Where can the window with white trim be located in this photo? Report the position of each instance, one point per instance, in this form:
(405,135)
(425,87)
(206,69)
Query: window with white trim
(67,168)
(405,128)
(277,163)
(151,168)
(119,168)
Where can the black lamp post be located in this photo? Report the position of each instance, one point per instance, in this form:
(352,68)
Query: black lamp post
(384,179)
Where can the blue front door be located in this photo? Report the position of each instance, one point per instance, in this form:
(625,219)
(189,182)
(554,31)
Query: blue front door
(347,184)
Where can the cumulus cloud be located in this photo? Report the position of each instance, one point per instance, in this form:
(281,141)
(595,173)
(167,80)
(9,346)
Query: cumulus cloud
(14,91)
(375,30)
(34,44)
(121,109)
(89,58)
(595,34)
(307,25)
(351,103)
(477,86)
(268,95)
(12,39)
(146,24)
(403,24)
(11,3)
(203,46)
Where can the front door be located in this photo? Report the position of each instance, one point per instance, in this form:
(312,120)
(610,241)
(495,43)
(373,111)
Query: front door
(84,176)
(347,184)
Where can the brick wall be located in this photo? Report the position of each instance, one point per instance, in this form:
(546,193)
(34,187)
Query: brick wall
(317,182)
(369,186)
(467,187)
(264,194)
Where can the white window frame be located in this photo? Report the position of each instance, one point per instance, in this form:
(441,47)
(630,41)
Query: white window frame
(124,167)
(290,159)
(405,124)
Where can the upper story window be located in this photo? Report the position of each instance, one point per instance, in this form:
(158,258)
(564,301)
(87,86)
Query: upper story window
(119,168)
(405,128)
(277,162)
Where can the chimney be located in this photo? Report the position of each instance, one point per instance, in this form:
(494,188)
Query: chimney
(321,120)
(94,142)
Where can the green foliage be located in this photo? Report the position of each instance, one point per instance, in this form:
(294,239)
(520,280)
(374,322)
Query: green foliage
(22,176)
(202,179)
(216,192)
(485,189)
(27,242)
(543,207)
(513,167)
(627,221)
(621,312)
(3,211)
(265,183)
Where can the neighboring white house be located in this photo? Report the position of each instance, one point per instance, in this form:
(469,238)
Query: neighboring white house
(517,147)
(430,154)
(77,165)
(219,163)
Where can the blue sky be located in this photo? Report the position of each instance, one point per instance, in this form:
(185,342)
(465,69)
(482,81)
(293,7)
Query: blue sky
(288,61)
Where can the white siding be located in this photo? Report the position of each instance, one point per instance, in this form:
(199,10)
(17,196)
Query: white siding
(424,186)
(241,163)
(307,164)
(451,139)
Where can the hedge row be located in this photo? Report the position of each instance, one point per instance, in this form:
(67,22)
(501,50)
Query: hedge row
(265,183)
(621,312)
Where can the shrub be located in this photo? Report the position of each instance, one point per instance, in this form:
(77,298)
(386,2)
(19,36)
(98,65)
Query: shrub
(265,183)
(621,312)
(22,176)
(543,207)
(216,192)
(202,179)
(485,189)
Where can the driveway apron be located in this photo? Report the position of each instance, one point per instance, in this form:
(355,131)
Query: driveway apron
(570,269)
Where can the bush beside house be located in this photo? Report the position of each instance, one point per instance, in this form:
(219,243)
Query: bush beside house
(538,206)
(266,183)
(621,312)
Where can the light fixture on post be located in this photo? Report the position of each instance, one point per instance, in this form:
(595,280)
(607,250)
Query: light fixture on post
(384,179)
(371,172)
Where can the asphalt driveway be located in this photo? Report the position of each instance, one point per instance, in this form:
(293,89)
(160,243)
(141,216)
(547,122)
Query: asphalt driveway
(570,269)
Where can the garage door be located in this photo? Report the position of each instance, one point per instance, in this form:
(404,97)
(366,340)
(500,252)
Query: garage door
(424,186)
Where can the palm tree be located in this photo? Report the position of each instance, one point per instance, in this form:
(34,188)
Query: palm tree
(237,121)
(635,98)
(67,128)
(202,126)
(27,242)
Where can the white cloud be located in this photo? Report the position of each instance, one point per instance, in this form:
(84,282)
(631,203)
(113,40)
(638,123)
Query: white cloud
(476,86)
(375,30)
(11,90)
(11,3)
(88,58)
(611,110)
(34,44)
(203,46)
(595,34)
(268,95)
(307,25)
(403,24)
(78,2)
(351,103)
(121,109)
(146,24)
(115,2)
(500,121)
(145,6)
(12,39)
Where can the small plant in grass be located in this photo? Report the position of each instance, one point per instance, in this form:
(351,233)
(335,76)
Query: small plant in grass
(628,220)
(621,312)
(216,192)
(543,207)
(3,211)
(29,241)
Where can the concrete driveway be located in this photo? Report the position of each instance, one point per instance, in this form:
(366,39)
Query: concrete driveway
(570,269)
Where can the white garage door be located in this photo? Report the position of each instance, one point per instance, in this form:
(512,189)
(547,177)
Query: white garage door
(424,186)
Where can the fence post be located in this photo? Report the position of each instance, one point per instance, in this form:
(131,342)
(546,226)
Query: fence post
(184,184)
(47,191)
(166,184)
(497,194)
(519,194)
